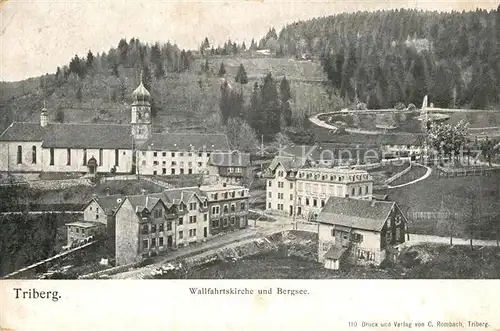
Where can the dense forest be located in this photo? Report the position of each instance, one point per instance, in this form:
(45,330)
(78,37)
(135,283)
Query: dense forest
(386,57)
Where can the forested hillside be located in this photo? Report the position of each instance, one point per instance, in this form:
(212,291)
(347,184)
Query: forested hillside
(389,56)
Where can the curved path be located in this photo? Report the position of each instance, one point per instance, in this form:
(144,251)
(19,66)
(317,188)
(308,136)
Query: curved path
(427,174)
(315,120)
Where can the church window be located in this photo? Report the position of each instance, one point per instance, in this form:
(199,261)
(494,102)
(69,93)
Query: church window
(117,154)
(68,156)
(100,157)
(33,154)
(19,154)
(84,156)
(51,156)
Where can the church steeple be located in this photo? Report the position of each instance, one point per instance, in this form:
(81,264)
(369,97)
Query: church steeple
(141,113)
(44,117)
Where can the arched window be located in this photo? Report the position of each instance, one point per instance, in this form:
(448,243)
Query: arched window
(19,154)
(33,155)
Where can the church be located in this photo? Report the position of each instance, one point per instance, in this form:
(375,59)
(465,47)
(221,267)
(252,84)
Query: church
(30,147)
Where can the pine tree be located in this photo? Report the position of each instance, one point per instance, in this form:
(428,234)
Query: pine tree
(285,97)
(222,70)
(241,75)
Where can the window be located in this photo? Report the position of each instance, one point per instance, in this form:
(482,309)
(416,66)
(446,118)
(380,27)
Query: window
(307,201)
(224,222)
(233,208)
(232,220)
(77,230)
(333,232)
(353,191)
(315,202)
(158,213)
(181,220)
(233,194)
(52,156)
(192,206)
(182,171)
(360,192)
(145,244)
(164,171)
(325,246)
(280,173)
(174,163)
(100,157)
(153,242)
(280,185)
(160,240)
(291,185)
(192,219)
(169,226)
(192,233)
(173,154)
(270,194)
(200,164)
(205,217)
(242,206)
(19,154)
(84,156)
(200,154)
(182,163)
(164,154)
(97,216)
(366,189)
(172,171)
(155,163)
(181,154)
(33,154)
(161,227)
(322,203)
(117,157)
(356,237)
(225,210)
(269,205)
(155,154)
(143,153)
(215,224)
(153,228)
(291,197)
(181,235)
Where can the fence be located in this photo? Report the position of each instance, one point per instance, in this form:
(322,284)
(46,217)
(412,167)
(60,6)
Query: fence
(398,175)
(462,172)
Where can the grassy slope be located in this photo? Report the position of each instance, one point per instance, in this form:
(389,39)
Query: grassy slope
(182,101)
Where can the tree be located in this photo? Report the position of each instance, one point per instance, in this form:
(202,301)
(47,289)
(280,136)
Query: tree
(271,106)
(79,94)
(90,60)
(241,75)
(59,116)
(488,149)
(285,97)
(222,70)
(241,135)
(448,140)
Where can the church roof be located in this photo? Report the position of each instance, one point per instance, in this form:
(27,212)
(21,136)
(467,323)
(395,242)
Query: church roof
(141,94)
(88,136)
(23,131)
(67,135)
(186,142)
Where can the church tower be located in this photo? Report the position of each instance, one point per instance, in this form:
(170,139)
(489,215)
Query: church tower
(141,114)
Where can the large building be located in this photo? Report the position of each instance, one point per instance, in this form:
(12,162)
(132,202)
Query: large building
(297,188)
(152,224)
(359,231)
(92,148)
(230,167)
(227,205)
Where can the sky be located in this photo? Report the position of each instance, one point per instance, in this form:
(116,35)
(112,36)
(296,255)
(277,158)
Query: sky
(39,35)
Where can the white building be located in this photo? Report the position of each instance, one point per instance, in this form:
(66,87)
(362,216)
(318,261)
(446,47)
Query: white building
(90,148)
(294,187)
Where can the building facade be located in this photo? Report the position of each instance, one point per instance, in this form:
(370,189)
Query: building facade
(227,205)
(359,231)
(78,232)
(230,167)
(301,190)
(103,148)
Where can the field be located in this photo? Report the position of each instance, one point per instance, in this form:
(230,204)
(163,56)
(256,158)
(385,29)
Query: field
(473,199)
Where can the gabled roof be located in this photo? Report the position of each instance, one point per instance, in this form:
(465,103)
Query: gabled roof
(186,142)
(354,213)
(144,201)
(229,159)
(176,196)
(108,203)
(288,162)
(71,135)
(23,131)
(109,136)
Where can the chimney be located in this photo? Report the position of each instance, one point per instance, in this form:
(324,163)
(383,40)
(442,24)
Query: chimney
(107,191)
(44,117)
(143,191)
